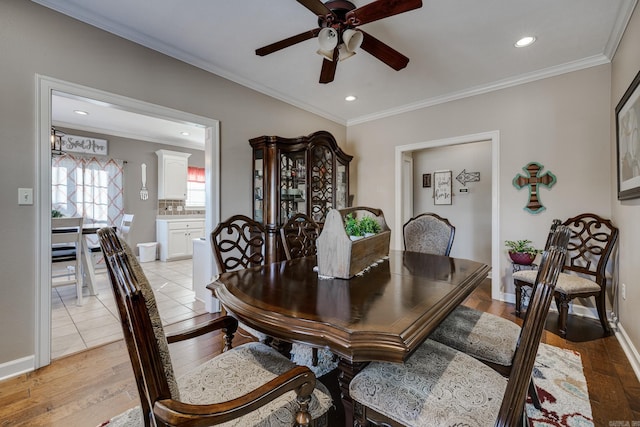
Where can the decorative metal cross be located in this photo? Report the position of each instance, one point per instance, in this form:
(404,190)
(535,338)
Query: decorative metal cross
(532,180)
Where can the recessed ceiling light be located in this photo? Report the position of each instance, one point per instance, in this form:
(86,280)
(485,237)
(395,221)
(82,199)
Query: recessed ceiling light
(183,133)
(82,113)
(525,41)
(350,98)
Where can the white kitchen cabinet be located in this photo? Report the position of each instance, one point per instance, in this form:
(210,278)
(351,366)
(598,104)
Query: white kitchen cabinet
(172,175)
(175,237)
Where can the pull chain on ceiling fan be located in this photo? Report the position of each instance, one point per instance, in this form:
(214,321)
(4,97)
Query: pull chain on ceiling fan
(338,36)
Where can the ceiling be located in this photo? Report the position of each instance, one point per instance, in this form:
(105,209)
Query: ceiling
(457,48)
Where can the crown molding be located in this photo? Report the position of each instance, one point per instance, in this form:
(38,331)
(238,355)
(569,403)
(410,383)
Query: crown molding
(490,87)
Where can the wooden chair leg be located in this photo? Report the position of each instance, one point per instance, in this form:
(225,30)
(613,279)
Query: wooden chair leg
(563,309)
(533,392)
(518,300)
(601,305)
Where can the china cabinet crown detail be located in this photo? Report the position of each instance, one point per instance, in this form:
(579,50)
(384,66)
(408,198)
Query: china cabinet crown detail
(308,174)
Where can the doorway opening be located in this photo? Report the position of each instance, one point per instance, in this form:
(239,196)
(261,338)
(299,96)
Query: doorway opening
(46,87)
(403,181)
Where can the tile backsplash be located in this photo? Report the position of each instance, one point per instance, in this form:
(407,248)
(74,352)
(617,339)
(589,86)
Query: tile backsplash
(176,207)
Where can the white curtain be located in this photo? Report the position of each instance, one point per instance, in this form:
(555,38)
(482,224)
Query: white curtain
(90,187)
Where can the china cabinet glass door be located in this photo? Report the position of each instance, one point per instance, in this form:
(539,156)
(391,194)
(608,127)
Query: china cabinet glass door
(321,182)
(293,179)
(258,185)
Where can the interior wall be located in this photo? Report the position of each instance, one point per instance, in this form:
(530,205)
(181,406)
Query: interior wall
(625,66)
(469,212)
(561,122)
(135,152)
(36,40)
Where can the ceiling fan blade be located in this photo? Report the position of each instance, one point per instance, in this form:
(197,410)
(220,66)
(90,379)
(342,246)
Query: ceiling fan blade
(381,9)
(328,71)
(266,50)
(316,6)
(383,52)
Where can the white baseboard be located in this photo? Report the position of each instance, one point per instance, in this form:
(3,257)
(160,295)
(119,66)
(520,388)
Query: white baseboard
(16,367)
(629,349)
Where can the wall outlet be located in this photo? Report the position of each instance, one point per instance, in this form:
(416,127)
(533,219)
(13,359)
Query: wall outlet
(624,291)
(169,208)
(179,208)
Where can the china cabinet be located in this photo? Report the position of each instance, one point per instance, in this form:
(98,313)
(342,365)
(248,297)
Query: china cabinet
(308,174)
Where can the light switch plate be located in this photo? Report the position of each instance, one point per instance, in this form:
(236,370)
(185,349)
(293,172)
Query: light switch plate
(25,196)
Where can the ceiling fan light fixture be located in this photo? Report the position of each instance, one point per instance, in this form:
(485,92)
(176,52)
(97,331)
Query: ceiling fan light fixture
(352,39)
(344,52)
(328,39)
(327,54)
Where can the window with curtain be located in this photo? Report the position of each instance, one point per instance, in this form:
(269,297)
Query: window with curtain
(90,187)
(195,188)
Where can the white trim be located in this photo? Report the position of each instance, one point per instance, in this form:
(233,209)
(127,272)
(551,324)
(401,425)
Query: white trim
(619,27)
(629,349)
(13,368)
(126,33)
(45,86)
(490,87)
(158,46)
(494,137)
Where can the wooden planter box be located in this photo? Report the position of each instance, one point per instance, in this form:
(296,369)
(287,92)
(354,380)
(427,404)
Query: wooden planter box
(339,256)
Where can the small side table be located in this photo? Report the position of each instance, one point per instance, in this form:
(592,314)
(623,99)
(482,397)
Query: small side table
(526,292)
(519,267)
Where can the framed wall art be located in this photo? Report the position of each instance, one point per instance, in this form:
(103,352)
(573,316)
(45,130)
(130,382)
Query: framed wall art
(442,188)
(628,142)
(426,180)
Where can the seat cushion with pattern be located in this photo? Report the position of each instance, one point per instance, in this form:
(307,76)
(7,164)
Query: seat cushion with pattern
(233,374)
(482,335)
(436,386)
(567,283)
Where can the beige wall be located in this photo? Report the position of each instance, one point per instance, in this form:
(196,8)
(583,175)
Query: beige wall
(469,212)
(560,122)
(35,40)
(626,214)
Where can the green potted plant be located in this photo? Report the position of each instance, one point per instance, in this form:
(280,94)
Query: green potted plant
(369,226)
(55,213)
(352,227)
(522,251)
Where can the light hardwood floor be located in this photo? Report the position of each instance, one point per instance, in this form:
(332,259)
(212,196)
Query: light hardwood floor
(88,388)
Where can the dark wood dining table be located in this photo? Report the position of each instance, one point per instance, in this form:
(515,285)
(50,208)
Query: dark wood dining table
(383,314)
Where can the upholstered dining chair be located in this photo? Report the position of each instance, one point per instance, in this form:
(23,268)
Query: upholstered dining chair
(248,385)
(439,385)
(238,243)
(592,241)
(487,337)
(299,235)
(428,233)
(66,253)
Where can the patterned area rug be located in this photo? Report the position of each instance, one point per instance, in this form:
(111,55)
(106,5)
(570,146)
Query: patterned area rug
(562,389)
(558,375)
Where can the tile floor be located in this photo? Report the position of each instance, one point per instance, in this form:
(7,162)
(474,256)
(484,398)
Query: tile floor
(76,328)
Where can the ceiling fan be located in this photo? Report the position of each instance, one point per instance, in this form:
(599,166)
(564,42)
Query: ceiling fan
(337,34)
